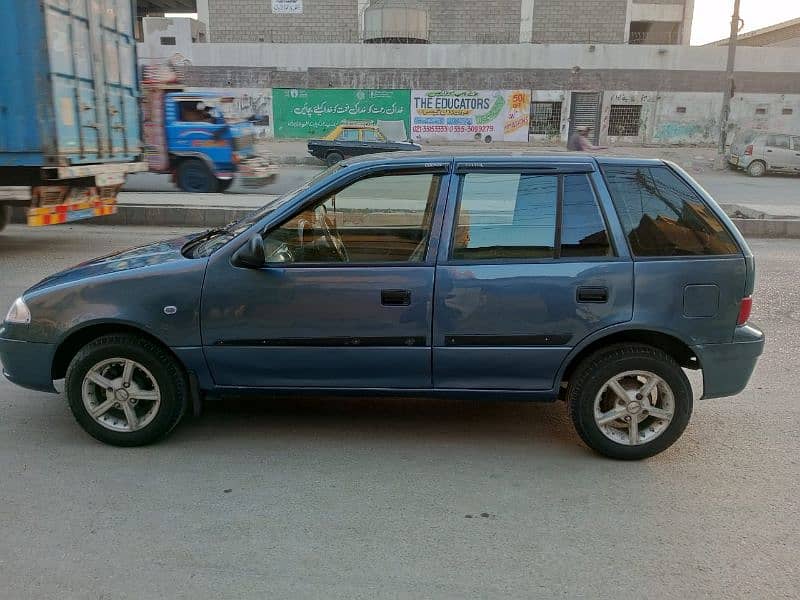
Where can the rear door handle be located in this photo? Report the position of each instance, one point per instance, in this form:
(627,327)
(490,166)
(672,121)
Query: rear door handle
(597,295)
(395,297)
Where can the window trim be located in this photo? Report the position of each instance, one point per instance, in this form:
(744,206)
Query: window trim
(440,171)
(557,258)
(633,256)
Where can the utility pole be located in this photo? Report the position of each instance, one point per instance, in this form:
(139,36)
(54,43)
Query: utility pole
(736,25)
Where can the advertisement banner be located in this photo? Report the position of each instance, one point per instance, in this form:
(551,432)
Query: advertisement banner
(500,115)
(308,113)
(292,7)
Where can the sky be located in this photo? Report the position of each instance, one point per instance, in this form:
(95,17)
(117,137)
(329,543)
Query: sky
(712,18)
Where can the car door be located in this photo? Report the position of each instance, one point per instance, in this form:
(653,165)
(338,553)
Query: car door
(313,317)
(778,152)
(528,269)
(795,153)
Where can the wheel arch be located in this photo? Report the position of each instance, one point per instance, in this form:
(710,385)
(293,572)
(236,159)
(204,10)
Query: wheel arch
(667,342)
(76,339)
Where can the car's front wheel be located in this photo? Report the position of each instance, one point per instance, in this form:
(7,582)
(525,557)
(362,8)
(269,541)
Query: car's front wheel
(629,401)
(126,390)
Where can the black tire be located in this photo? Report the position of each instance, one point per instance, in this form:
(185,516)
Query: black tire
(488,139)
(757,168)
(224,184)
(165,369)
(195,177)
(597,369)
(331,158)
(5,216)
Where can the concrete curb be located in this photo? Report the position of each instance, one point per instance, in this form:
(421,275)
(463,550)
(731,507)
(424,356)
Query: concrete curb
(215,216)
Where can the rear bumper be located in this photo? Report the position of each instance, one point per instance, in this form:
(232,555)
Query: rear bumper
(28,364)
(727,367)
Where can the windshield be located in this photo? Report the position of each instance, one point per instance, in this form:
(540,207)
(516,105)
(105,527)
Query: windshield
(213,239)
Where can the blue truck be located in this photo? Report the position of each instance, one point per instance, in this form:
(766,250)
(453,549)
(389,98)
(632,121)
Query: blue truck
(187,135)
(69,108)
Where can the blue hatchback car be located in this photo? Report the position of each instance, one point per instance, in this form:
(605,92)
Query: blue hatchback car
(592,280)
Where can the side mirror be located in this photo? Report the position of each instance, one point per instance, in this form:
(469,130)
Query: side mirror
(252,255)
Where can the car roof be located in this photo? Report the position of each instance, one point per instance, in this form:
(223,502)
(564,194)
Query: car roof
(496,156)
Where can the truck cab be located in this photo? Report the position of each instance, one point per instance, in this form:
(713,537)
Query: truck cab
(205,150)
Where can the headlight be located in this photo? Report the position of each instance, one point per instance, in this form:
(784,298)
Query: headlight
(18,313)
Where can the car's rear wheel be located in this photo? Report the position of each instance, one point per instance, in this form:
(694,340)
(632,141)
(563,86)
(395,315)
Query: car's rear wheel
(629,401)
(332,158)
(756,168)
(126,390)
(195,177)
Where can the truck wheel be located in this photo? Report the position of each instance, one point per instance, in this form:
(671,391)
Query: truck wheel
(629,401)
(331,158)
(5,216)
(126,390)
(756,168)
(224,184)
(195,177)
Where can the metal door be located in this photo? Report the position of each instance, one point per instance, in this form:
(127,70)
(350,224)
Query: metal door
(796,152)
(585,112)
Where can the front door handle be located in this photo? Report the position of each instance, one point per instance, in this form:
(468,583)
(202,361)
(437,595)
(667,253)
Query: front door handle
(598,295)
(395,297)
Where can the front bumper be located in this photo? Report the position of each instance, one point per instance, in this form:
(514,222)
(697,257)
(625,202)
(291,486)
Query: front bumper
(28,364)
(727,367)
(256,171)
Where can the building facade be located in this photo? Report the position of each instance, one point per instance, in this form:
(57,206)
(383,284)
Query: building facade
(448,21)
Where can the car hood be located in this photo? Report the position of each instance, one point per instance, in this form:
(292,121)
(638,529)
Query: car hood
(140,257)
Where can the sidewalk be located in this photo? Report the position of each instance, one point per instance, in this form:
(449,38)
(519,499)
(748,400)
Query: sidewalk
(697,159)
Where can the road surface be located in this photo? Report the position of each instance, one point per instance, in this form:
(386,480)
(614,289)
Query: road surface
(391,498)
(773,194)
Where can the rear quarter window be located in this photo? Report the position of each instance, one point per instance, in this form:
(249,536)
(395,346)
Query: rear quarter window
(663,216)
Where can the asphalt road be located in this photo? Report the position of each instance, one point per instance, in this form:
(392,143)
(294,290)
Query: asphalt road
(368,498)
(777,195)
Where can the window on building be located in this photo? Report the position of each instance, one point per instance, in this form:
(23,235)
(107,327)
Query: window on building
(787,111)
(761,111)
(168,41)
(662,215)
(655,32)
(379,219)
(545,118)
(624,120)
(778,141)
(680,109)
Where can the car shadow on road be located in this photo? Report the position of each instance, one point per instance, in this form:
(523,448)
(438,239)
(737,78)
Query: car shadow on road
(305,418)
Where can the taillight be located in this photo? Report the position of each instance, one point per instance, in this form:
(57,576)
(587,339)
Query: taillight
(749,150)
(745,308)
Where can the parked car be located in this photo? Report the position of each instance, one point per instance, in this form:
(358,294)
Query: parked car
(761,152)
(592,280)
(355,139)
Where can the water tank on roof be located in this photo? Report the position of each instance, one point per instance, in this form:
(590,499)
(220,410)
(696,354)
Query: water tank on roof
(395,22)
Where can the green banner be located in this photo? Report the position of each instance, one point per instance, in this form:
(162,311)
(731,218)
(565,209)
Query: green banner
(307,113)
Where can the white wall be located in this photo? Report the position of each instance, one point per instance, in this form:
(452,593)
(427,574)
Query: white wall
(493,56)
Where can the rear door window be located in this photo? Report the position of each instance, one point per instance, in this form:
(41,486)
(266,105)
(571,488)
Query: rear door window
(522,216)
(778,141)
(663,216)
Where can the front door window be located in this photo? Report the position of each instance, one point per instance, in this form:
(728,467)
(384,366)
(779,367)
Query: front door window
(384,219)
